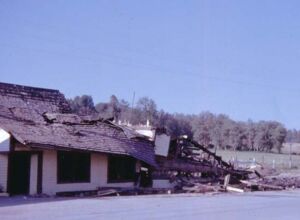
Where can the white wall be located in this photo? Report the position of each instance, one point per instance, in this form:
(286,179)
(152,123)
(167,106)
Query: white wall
(4,147)
(98,175)
(3,171)
(33,174)
(162,143)
(4,141)
(162,183)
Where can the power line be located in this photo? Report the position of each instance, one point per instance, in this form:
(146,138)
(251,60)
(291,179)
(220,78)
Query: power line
(112,59)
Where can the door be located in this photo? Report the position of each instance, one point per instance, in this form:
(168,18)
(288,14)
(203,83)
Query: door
(19,173)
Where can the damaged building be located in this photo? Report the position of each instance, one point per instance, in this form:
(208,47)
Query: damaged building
(45,149)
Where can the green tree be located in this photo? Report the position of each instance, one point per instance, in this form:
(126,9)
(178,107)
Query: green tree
(82,105)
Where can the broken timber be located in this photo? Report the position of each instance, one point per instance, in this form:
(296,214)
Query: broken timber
(189,157)
(261,186)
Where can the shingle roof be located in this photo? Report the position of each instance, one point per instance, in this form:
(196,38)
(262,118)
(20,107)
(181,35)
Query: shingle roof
(35,128)
(42,100)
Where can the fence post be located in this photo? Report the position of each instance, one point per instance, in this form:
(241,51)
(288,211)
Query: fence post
(290,162)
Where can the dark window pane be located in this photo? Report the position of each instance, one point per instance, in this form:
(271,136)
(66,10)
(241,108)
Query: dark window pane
(121,168)
(73,167)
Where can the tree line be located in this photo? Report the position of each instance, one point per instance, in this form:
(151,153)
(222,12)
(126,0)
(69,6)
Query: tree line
(293,135)
(211,130)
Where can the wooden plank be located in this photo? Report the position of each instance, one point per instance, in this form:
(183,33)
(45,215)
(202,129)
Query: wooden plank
(107,192)
(234,189)
(226,181)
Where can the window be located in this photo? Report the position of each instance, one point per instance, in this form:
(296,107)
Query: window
(121,169)
(73,167)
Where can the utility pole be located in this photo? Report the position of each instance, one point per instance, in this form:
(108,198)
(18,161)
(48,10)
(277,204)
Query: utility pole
(132,105)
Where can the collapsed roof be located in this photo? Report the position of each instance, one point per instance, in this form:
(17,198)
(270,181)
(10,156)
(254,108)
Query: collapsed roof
(40,118)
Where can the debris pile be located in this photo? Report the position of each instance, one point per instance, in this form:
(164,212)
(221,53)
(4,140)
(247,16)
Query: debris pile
(192,168)
(282,180)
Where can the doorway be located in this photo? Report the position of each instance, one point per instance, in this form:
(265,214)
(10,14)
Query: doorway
(19,173)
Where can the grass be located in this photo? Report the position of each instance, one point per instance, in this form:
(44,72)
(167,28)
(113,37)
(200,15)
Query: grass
(281,161)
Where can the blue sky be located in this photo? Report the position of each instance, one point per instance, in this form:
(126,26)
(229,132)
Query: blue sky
(240,58)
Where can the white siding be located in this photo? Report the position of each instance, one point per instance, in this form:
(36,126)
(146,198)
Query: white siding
(161,184)
(3,171)
(162,143)
(33,174)
(98,175)
(4,141)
